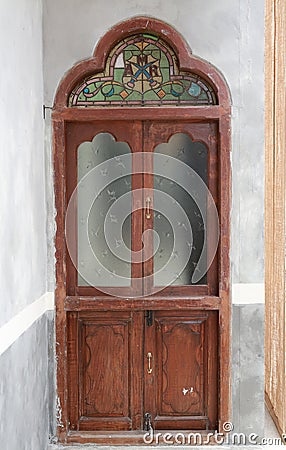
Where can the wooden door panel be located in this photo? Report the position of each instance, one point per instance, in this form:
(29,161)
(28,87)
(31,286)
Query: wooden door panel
(104,369)
(180,367)
(181,392)
(107,394)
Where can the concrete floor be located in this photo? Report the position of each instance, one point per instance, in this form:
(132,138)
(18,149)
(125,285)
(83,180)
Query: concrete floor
(165,447)
(270,430)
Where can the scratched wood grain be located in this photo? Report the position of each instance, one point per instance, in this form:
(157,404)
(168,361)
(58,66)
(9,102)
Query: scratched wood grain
(275,185)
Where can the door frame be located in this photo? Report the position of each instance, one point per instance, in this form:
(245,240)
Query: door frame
(63,114)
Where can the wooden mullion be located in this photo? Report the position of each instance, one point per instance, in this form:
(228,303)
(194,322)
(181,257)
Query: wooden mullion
(137,212)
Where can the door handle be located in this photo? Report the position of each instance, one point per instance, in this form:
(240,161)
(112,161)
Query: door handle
(148,203)
(149,357)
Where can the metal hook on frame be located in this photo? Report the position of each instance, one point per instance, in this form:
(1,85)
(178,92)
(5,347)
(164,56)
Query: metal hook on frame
(44,110)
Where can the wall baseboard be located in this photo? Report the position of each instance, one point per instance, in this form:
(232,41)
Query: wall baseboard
(16,326)
(247,293)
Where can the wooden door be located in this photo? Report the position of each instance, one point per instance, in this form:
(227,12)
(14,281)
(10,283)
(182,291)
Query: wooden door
(124,364)
(109,319)
(105,348)
(180,347)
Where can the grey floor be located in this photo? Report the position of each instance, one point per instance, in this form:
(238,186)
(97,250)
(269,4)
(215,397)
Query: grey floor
(270,430)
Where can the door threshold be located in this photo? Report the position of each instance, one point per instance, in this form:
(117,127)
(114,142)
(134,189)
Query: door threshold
(158,437)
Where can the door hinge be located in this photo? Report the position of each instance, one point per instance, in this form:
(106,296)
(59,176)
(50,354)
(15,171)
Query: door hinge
(148,422)
(149,318)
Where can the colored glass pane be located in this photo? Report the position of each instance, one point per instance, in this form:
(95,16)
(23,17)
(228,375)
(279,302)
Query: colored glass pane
(142,69)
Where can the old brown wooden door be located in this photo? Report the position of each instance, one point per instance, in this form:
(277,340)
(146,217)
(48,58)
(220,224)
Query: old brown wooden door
(126,364)
(142,193)
(106,347)
(180,370)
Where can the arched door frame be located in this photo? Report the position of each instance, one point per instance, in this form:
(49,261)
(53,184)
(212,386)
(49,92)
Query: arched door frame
(221,114)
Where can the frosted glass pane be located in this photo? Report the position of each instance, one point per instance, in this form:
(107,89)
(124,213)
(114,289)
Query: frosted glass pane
(105,267)
(194,155)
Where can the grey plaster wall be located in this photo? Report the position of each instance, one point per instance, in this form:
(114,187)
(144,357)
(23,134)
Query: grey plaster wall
(248,369)
(229,34)
(51,375)
(23,257)
(24,391)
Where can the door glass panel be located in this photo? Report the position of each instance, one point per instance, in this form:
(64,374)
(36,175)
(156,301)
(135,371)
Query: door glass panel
(104,233)
(184,207)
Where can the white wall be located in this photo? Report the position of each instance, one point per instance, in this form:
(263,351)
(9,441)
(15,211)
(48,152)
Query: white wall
(229,34)
(24,390)
(22,182)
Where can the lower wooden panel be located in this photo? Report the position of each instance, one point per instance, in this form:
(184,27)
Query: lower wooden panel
(110,385)
(105,423)
(103,393)
(181,392)
(181,423)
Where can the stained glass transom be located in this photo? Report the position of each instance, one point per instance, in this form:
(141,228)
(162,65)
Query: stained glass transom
(142,70)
